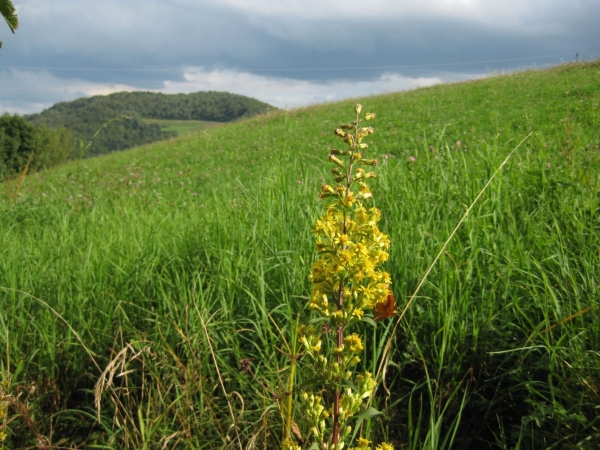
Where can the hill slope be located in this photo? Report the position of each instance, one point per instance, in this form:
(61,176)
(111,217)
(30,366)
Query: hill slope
(176,249)
(85,116)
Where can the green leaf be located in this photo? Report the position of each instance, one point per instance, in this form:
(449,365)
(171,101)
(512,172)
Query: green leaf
(368,413)
(348,384)
(8,11)
(311,382)
(369,320)
(318,320)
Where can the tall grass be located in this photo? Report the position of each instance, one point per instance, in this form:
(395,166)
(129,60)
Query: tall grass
(181,266)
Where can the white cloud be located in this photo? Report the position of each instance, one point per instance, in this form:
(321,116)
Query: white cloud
(280,92)
(288,92)
(25,92)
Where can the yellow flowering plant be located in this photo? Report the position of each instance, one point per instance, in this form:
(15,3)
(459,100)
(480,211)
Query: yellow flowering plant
(347,283)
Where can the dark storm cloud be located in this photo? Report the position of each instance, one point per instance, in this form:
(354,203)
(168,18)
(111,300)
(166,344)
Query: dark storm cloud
(142,42)
(97,46)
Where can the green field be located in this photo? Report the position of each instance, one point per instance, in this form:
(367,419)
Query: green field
(182,127)
(117,272)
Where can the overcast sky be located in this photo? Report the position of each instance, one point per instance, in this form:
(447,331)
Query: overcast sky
(284,52)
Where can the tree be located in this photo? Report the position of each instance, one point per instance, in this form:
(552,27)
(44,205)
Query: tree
(17,143)
(9,13)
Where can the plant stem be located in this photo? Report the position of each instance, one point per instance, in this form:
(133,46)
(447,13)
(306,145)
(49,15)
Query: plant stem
(340,303)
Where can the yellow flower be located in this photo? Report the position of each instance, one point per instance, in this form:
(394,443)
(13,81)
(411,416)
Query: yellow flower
(341,239)
(349,199)
(358,313)
(317,347)
(385,446)
(289,445)
(347,256)
(362,442)
(353,343)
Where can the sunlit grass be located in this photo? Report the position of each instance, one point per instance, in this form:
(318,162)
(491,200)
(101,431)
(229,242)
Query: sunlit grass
(182,127)
(499,350)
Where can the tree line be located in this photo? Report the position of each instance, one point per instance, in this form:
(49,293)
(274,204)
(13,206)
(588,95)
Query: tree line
(19,140)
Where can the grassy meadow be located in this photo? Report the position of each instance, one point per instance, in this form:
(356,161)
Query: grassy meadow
(183,127)
(148,297)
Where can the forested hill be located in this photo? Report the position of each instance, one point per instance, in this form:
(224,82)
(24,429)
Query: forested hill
(85,116)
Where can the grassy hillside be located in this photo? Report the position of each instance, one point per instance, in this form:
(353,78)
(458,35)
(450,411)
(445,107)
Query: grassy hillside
(85,116)
(156,255)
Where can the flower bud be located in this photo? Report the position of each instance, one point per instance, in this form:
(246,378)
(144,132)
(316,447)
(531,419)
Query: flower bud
(304,341)
(364,193)
(336,161)
(340,132)
(326,191)
(358,108)
(327,188)
(369,116)
(363,146)
(346,126)
(366,130)
(335,151)
(369,162)
(322,425)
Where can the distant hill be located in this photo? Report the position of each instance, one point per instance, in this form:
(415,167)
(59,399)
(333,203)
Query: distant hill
(85,116)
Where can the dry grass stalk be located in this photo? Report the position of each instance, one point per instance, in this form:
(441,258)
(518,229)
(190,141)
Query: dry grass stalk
(22,177)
